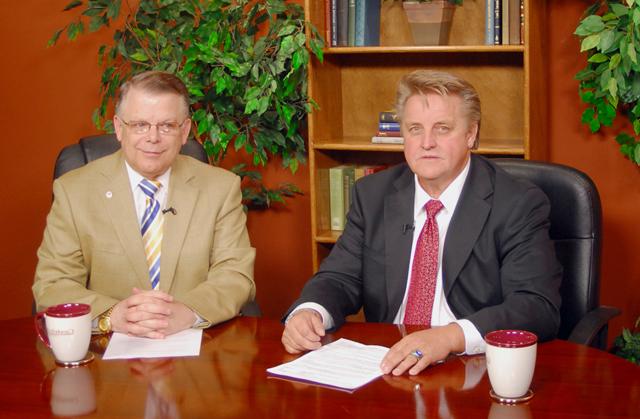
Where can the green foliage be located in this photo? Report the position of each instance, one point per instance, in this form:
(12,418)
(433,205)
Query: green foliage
(244,63)
(610,83)
(627,345)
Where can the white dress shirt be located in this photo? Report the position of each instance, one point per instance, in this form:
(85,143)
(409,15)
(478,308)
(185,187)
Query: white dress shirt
(441,313)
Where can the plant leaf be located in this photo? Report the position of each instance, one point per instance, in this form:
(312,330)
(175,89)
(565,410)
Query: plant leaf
(54,38)
(590,25)
(589,42)
(72,5)
(598,58)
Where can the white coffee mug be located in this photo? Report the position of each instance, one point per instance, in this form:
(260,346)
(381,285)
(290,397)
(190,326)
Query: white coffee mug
(66,329)
(511,361)
(73,392)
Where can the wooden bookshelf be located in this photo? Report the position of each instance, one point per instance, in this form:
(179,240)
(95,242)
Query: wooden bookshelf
(354,84)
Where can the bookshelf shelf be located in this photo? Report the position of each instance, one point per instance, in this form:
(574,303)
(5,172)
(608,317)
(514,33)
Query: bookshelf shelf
(327,236)
(422,49)
(354,84)
(488,146)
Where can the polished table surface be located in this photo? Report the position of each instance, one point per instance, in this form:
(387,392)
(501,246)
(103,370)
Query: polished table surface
(229,380)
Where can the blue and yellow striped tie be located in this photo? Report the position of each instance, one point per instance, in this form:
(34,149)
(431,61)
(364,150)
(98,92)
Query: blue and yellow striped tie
(151,230)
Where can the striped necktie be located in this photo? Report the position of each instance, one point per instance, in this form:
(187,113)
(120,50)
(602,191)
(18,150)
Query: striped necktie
(422,288)
(151,230)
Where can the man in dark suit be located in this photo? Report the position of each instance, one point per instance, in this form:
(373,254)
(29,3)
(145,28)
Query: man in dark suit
(447,240)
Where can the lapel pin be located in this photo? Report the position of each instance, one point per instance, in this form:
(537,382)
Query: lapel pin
(109,194)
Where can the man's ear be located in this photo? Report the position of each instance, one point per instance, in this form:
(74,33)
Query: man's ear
(117,127)
(472,135)
(186,128)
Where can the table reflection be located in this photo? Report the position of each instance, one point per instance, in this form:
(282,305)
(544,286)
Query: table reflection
(70,391)
(434,389)
(510,411)
(217,381)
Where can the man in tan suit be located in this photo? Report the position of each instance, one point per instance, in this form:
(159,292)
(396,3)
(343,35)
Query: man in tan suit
(94,252)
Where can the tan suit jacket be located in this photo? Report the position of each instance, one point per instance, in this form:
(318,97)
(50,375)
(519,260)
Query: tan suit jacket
(92,251)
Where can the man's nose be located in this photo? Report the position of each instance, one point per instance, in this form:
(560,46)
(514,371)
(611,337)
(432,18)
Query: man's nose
(427,141)
(154,134)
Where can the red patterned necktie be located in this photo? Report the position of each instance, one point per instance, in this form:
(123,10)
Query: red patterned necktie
(424,271)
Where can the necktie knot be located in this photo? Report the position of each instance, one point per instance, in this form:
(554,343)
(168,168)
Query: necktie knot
(433,207)
(150,187)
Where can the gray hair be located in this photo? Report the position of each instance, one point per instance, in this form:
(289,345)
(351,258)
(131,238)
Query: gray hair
(154,82)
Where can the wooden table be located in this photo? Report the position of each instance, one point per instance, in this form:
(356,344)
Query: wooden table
(229,380)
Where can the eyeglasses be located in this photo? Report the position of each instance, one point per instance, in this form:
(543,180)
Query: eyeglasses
(143,127)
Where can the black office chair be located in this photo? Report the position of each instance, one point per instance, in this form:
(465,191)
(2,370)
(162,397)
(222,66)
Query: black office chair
(91,148)
(576,229)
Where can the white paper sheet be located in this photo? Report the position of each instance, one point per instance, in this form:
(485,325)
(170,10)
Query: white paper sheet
(185,343)
(344,364)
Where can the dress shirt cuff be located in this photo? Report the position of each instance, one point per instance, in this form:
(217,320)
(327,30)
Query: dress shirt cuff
(199,322)
(327,319)
(473,341)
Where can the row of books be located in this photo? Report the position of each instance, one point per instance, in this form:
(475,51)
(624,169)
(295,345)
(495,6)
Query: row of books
(341,180)
(504,22)
(388,129)
(353,23)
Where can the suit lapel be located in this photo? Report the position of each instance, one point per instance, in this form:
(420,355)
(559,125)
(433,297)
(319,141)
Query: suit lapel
(467,222)
(182,197)
(398,211)
(118,200)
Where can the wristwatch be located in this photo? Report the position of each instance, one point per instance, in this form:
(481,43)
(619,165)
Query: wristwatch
(104,321)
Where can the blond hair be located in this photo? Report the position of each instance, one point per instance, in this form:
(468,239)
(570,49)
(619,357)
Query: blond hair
(421,82)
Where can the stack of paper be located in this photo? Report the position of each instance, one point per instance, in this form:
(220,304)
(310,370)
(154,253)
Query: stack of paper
(343,364)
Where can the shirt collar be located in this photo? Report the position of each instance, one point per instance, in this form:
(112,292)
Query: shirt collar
(135,178)
(449,197)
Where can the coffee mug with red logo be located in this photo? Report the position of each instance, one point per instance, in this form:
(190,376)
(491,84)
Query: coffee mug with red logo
(66,329)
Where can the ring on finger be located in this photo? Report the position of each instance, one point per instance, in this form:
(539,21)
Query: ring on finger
(417,353)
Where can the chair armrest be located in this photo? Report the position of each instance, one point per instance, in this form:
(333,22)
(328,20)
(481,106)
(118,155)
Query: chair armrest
(591,324)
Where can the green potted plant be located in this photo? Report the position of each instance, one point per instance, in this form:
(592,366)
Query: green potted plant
(243,61)
(430,20)
(610,82)
(627,345)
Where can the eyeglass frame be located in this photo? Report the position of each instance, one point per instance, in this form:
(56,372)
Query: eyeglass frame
(149,125)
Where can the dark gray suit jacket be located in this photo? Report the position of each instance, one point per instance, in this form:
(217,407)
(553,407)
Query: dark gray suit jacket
(499,265)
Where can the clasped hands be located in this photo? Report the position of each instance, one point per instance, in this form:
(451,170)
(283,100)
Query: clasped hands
(304,331)
(151,314)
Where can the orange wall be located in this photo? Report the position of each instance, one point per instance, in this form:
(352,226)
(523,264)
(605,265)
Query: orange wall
(46,100)
(47,96)
(617,179)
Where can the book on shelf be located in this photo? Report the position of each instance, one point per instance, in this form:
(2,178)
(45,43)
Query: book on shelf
(367,23)
(505,22)
(351,27)
(343,22)
(389,133)
(488,24)
(336,198)
(341,180)
(388,116)
(521,21)
(516,8)
(348,179)
(380,139)
(388,126)
(333,17)
(497,22)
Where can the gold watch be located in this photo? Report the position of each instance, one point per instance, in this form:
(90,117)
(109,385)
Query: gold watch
(104,321)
